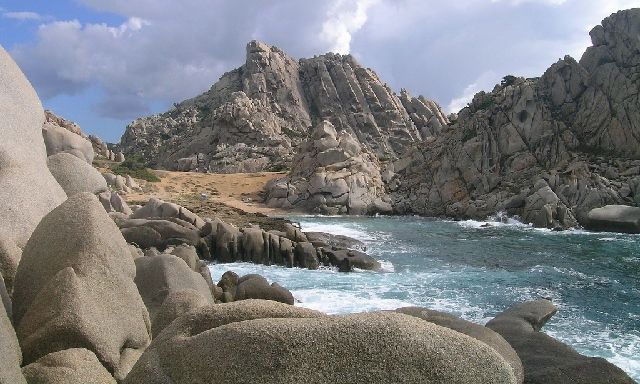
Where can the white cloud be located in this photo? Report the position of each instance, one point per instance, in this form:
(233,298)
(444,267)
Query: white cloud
(22,16)
(485,82)
(165,51)
(344,18)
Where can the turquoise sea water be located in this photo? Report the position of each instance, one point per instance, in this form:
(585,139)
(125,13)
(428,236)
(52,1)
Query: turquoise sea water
(476,272)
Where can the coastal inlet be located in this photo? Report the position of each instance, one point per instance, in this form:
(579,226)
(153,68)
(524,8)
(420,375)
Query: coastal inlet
(478,269)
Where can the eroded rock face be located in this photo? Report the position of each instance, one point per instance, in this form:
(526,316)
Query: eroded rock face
(75,289)
(536,148)
(332,174)
(286,345)
(255,117)
(28,190)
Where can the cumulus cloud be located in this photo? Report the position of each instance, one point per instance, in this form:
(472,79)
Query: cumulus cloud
(165,51)
(344,18)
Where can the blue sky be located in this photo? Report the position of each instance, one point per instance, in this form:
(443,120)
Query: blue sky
(103,63)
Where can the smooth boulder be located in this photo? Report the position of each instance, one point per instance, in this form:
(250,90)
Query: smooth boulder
(478,332)
(58,139)
(74,175)
(546,360)
(160,275)
(362,348)
(614,218)
(75,289)
(69,366)
(257,287)
(28,190)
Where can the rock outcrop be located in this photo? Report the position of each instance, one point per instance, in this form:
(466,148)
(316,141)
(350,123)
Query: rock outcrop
(332,174)
(548,149)
(28,190)
(61,135)
(75,288)
(546,360)
(286,345)
(255,117)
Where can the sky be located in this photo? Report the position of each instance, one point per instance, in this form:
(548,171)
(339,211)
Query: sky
(103,63)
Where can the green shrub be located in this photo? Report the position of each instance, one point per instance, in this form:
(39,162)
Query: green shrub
(137,173)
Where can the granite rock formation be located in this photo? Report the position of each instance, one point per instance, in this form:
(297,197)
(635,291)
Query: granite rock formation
(28,190)
(332,174)
(548,149)
(255,117)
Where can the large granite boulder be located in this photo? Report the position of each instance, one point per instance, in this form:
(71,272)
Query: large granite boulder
(478,332)
(614,218)
(75,289)
(28,190)
(160,275)
(69,366)
(58,139)
(286,346)
(10,353)
(166,360)
(348,259)
(74,175)
(332,174)
(257,287)
(546,360)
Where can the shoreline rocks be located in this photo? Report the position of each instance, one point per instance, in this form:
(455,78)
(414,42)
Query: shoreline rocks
(545,359)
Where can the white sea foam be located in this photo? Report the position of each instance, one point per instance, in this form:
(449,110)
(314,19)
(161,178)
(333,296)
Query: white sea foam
(341,302)
(338,229)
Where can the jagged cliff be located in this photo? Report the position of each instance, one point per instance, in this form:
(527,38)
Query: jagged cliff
(255,117)
(547,149)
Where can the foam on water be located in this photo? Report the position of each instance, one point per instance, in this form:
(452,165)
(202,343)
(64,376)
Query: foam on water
(476,271)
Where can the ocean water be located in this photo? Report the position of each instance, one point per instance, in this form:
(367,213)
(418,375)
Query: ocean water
(476,272)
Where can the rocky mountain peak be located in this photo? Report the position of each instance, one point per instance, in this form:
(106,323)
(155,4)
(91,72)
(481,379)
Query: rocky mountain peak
(255,117)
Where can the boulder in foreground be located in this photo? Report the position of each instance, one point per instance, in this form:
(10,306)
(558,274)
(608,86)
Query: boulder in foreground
(478,332)
(304,346)
(75,289)
(546,360)
(28,191)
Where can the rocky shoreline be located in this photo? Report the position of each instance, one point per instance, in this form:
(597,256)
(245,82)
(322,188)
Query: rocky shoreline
(95,290)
